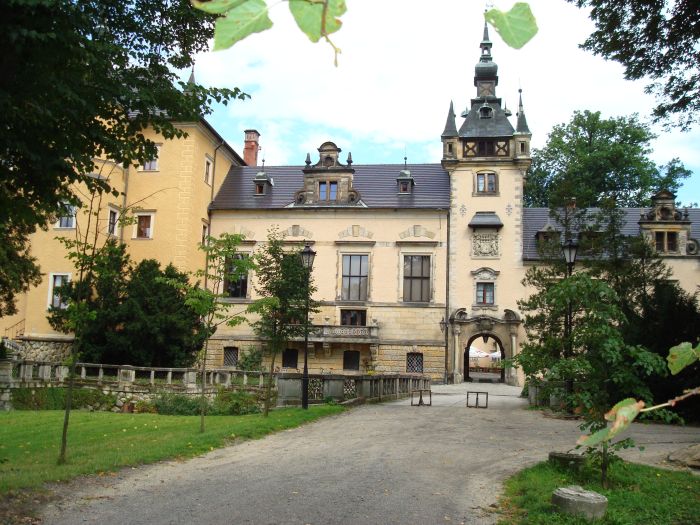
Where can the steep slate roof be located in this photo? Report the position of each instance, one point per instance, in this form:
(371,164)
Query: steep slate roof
(495,127)
(535,218)
(376,184)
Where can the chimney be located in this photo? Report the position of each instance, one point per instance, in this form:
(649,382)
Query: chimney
(250,150)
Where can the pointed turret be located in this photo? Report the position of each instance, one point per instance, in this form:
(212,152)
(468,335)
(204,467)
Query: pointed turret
(486,69)
(450,126)
(191,83)
(522,121)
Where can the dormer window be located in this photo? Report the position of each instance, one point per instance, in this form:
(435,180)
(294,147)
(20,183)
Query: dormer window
(328,191)
(666,242)
(405,182)
(262,181)
(485,112)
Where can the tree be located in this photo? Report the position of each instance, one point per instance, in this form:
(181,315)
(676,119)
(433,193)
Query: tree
(592,159)
(653,39)
(80,81)
(592,353)
(208,301)
(281,283)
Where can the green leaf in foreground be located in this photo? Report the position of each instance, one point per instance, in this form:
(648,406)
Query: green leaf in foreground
(516,26)
(308,15)
(217,7)
(682,355)
(241,21)
(622,415)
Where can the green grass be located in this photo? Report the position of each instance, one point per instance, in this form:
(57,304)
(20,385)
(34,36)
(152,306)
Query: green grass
(637,495)
(104,441)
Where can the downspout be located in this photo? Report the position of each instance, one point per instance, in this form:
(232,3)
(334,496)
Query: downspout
(211,199)
(447,298)
(126,191)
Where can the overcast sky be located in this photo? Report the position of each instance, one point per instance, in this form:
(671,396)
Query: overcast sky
(402,62)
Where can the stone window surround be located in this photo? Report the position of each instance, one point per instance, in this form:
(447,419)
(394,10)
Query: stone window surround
(152,165)
(248,284)
(49,299)
(70,212)
(208,170)
(339,281)
(143,213)
(414,251)
(485,275)
(475,182)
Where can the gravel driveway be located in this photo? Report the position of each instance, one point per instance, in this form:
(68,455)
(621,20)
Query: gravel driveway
(376,464)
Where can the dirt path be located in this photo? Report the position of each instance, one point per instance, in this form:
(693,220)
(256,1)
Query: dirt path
(388,464)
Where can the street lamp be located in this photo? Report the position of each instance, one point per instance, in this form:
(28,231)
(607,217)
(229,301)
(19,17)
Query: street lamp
(306,256)
(443,329)
(569,249)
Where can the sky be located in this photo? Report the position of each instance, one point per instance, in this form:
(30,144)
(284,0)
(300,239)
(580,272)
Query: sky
(402,62)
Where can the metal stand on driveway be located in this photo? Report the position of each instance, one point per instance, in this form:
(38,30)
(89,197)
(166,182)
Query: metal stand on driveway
(477,396)
(421,402)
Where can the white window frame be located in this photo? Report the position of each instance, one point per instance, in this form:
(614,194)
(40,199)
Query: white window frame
(52,276)
(110,211)
(208,170)
(152,215)
(404,254)
(485,275)
(156,162)
(74,211)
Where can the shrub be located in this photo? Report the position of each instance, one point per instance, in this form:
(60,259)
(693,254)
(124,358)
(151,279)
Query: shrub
(251,360)
(234,403)
(177,405)
(55,399)
(144,407)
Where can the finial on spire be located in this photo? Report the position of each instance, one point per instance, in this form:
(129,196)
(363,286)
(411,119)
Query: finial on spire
(349,161)
(405,160)
(308,159)
(522,126)
(263,163)
(450,127)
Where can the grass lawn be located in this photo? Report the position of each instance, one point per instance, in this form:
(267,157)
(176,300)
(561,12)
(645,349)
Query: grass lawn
(638,495)
(104,441)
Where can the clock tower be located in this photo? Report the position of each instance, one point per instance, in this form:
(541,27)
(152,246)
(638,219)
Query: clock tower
(486,158)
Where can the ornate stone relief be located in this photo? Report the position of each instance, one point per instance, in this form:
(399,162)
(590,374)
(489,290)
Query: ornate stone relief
(297,231)
(485,244)
(462,210)
(355,231)
(417,231)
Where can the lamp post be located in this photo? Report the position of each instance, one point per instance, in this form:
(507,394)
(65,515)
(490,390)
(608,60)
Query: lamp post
(569,249)
(307,256)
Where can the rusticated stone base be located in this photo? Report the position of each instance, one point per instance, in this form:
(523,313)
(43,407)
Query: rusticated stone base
(37,350)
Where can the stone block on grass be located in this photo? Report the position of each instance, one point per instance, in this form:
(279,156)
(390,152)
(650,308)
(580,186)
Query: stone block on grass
(577,501)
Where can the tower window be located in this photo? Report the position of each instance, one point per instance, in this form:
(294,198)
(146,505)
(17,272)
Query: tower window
(485,148)
(485,112)
(486,183)
(666,242)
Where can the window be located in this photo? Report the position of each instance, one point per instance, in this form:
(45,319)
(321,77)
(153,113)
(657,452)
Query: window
(67,218)
(485,112)
(351,360)
(486,183)
(666,242)
(353,317)
(144,226)
(486,148)
(205,233)
(414,362)
(416,278)
(404,187)
(236,288)
(152,164)
(327,191)
(57,280)
(485,293)
(231,356)
(260,188)
(355,277)
(112,222)
(290,358)
(208,164)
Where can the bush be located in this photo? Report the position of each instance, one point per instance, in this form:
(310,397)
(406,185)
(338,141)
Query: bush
(251,360)
(177,404)
(144,407)
(55,399)
(234,403)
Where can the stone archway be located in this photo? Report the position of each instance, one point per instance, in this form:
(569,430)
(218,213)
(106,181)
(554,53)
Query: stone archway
(466,359)
(466,329)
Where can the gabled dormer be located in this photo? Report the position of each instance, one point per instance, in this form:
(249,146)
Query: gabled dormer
(667,228)
(263,182)
(405,181)
(329,181)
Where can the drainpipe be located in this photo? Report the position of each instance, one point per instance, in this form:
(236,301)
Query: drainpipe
(126,191)
(211,199)
(447,299)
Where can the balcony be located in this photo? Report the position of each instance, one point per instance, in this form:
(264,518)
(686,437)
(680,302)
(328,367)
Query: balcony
(344,334)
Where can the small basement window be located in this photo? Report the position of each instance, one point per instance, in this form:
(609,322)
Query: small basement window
(351,360)
(231,356)
(414,362)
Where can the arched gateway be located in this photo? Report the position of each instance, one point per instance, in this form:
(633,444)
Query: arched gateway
(467,329)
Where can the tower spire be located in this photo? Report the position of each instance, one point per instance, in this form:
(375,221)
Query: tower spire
(450,127)
(522,121)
